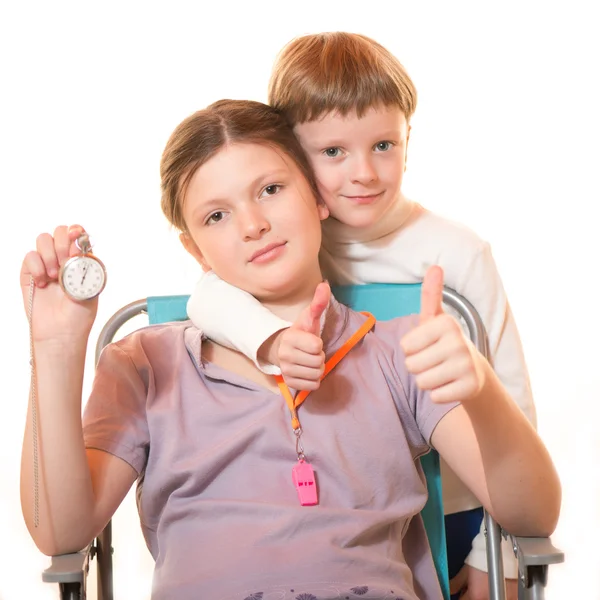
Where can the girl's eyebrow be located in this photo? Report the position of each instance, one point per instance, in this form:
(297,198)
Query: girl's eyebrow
(205,206)
(269,176)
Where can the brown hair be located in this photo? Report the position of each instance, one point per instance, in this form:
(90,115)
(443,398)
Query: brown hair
(203,134)
(338,71)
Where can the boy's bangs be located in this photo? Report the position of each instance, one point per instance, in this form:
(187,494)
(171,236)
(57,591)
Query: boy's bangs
(347,97)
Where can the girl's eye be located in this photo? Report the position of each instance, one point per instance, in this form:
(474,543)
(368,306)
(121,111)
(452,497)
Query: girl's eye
(215,217)
(383,146)
(332,152)
(272,189)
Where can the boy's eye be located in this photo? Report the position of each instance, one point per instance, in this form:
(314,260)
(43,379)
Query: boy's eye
(332,152)
(215,217)
(383,146)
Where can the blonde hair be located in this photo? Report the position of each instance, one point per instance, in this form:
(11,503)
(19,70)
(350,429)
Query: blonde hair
(200,136)
(338,72)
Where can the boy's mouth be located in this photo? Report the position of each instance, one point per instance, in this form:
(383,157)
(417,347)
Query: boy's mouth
(365,198)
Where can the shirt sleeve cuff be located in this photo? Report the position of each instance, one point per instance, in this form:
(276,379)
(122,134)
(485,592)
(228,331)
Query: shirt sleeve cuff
(477,558)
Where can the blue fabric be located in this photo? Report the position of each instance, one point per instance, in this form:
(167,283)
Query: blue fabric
(384,301)
(461,528)
(163,309)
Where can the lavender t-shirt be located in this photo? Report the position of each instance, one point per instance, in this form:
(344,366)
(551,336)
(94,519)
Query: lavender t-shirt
(215,451)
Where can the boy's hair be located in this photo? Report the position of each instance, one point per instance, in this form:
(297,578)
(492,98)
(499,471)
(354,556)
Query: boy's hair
(338,72)
(203,134)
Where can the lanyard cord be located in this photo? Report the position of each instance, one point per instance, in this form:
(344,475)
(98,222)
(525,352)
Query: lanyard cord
(294,403)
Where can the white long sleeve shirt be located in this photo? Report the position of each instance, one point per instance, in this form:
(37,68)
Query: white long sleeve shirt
(399,249)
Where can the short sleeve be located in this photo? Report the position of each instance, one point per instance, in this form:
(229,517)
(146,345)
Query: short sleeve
(419,414)
(114,418)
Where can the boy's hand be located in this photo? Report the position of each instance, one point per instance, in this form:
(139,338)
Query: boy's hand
(437,352)
(301,356)
(472,584)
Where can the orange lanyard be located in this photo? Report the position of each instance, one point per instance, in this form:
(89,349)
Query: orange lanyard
(294,403)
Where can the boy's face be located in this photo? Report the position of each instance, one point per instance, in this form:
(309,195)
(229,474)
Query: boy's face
(253,219)
(359,163)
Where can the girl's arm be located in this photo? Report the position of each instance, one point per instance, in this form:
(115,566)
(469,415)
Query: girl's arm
(512,475)
(235,319)
(481,284)
(67,494)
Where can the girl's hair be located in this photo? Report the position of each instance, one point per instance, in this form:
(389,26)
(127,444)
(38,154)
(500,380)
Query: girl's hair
(341,72)
(203,134)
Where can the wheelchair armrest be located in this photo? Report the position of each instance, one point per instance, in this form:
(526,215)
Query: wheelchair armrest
(68,568)
(534,556)
(532,551)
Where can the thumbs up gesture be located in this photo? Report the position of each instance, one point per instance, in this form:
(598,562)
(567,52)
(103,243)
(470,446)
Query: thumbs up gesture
(443,361)
(301,356)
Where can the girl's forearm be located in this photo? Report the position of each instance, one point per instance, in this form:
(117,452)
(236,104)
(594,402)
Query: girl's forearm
(57,497)
(523,485)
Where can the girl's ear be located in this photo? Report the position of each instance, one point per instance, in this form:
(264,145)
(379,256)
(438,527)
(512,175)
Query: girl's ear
(190,245)
(406,146)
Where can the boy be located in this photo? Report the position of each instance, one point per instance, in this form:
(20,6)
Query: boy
(350,102)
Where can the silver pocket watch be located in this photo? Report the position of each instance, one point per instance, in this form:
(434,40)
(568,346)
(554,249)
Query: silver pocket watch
(83,276)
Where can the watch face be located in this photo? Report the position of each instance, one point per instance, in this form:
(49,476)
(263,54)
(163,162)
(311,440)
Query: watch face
(83,277)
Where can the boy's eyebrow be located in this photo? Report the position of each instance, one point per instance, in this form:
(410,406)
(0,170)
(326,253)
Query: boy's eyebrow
(337,141)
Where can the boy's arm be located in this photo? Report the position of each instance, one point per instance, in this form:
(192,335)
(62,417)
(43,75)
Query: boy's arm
(235,319)
(477,558)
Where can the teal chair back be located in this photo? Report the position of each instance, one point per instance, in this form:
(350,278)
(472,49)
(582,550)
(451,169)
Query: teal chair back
(384,301)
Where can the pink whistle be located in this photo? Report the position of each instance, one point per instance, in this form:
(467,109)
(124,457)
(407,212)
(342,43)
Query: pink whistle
(303,477)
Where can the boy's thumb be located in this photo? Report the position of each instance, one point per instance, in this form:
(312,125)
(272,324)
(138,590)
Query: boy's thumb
(310,319)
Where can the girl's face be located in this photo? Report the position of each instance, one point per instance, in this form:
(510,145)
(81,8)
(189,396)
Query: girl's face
(253,219)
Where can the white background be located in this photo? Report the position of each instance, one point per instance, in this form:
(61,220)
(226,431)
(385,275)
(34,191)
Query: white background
(505,139)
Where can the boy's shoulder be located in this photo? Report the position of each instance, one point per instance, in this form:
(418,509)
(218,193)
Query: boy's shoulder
(446,231)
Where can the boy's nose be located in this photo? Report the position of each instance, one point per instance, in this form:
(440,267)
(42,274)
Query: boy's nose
(362,170)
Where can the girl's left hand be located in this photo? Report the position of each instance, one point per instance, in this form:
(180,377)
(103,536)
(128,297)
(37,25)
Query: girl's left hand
(438,353)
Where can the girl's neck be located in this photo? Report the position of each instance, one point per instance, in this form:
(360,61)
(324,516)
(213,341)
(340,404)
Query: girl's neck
(290,306)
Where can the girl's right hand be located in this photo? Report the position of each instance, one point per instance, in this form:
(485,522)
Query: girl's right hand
(55,316)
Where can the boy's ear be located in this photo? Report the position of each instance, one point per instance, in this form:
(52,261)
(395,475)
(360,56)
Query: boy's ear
(322,210)
(190,245)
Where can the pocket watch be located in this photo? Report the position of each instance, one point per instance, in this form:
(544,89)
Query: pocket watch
(83,276)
